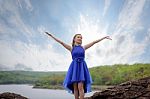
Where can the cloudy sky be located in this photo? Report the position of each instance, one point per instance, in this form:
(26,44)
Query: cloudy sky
(24,46)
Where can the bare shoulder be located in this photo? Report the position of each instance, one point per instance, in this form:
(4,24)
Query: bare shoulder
(71,48)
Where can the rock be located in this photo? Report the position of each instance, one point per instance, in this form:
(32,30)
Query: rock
(8,95)
(136,89)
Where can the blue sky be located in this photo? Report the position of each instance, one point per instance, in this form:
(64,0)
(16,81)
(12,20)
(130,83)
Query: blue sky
(24,46)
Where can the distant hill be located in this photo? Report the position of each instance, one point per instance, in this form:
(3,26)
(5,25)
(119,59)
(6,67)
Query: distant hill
(25,77)
(118,73)
(101,75)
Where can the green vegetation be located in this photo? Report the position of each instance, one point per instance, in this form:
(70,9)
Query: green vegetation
(101,75)
(29,77)
(53,81)
(116,74)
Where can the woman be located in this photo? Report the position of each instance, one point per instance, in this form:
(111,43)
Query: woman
(78,80)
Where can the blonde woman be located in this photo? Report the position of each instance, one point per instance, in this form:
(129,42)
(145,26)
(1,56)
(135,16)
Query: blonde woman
(78,79)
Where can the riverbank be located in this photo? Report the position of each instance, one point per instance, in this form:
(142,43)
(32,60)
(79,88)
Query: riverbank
(60,87)
(36,93)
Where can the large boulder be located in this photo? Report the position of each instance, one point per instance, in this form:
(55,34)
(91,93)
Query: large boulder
(8,95)
(136,89)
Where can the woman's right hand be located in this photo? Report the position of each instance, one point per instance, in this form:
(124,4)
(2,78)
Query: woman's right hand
(48,34)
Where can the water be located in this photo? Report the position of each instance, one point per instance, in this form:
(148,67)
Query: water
(33,93)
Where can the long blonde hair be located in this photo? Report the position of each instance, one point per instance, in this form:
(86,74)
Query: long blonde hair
(73,42)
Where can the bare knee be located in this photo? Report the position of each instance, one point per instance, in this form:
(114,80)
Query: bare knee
(75,86)
(80,86)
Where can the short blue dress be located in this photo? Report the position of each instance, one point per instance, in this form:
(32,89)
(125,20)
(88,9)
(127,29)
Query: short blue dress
(78,71)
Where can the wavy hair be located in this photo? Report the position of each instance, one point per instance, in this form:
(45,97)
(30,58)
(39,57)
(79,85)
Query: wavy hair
(73,42)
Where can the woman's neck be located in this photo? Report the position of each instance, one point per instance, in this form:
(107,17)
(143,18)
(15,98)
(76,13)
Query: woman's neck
(76,44)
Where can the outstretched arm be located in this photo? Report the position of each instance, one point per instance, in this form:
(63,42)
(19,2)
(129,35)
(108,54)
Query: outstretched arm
(59,41)
(96,41)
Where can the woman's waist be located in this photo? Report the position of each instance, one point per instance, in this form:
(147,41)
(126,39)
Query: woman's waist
(78,59)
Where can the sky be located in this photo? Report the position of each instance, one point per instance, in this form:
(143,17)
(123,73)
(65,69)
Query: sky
(25,46)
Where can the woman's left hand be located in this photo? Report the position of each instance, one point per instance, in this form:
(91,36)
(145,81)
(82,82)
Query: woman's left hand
(107,37)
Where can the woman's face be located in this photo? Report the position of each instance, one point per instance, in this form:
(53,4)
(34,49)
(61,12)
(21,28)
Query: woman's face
(78,39)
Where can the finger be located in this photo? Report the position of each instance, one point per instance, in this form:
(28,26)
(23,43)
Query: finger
(46,32)
(108,38)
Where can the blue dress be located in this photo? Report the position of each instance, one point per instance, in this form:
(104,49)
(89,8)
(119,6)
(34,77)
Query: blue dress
(78,71)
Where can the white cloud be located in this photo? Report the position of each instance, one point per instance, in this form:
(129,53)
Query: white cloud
(27,3)
(41,29)
(106,6)
(19,3)
(129,17)
(92,30)
(33,56)
(27,53)
(14,25)
(14,19)
(123,48)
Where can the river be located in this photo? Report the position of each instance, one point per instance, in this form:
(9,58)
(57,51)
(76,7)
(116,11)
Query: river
(34,93)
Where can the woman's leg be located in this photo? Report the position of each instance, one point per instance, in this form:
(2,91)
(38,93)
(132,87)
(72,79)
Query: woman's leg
(75,86)
(81,90)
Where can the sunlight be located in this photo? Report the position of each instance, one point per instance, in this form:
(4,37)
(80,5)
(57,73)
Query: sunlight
(89,28)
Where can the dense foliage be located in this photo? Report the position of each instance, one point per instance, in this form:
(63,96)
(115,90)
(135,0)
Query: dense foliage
(118,73)
(101,75)
(29,77)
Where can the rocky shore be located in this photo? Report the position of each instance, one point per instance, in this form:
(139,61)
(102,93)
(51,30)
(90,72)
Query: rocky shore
(137,89)
(8,95)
